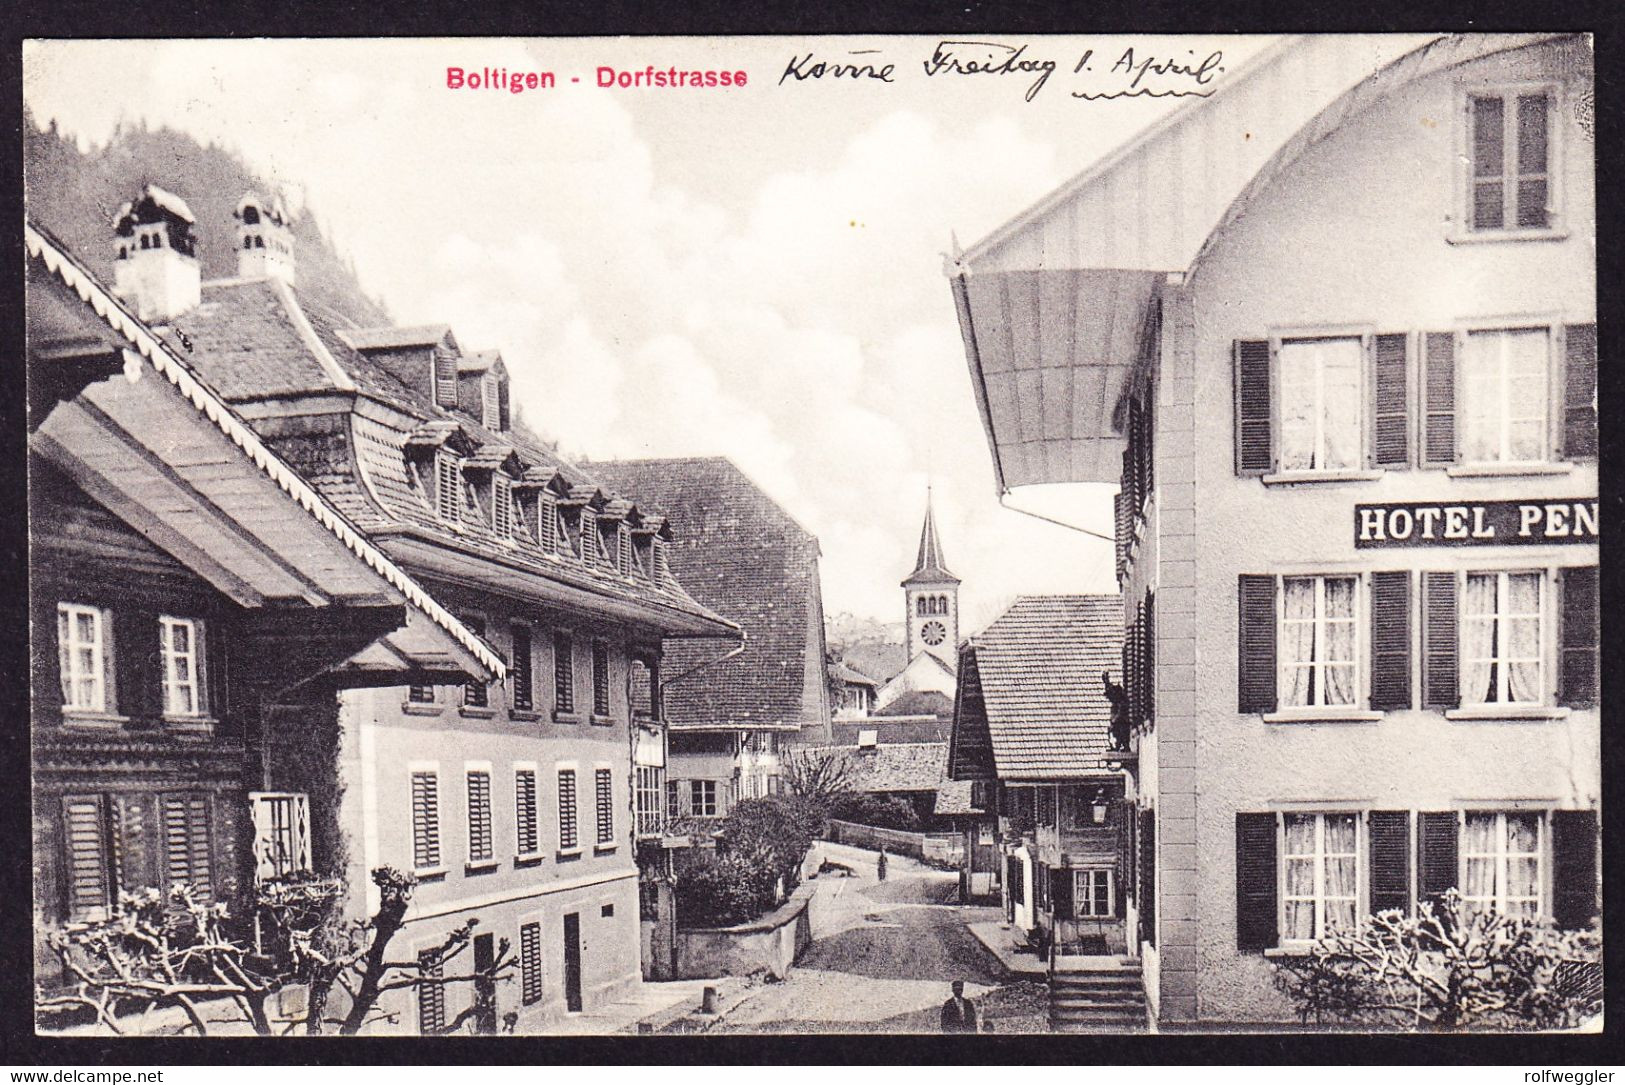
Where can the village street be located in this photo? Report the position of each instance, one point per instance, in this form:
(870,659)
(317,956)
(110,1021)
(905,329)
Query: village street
(883,956)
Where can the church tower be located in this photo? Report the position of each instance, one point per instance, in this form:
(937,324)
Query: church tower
(931,594)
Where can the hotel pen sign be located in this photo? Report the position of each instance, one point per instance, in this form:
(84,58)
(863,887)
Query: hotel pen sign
(1475,523)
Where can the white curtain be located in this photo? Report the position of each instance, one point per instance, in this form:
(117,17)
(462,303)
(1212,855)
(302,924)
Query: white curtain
(1522,637)
(1341,395)
(1478,640)
(1523,864)
(1338,651)
(1298,641)
(1297,363)
(1300,877)
(1481,846)
(1342,873)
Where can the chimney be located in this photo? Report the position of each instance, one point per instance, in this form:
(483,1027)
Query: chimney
(264,240)
(155,259)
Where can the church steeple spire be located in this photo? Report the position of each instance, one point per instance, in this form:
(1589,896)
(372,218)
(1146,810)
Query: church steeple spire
(928,566)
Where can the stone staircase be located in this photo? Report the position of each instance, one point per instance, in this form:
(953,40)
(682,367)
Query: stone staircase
(1106,994)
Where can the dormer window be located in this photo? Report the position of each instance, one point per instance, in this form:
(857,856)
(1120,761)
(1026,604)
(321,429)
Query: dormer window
(623,549)
(547,522)
(445,379)
(448,487)
(662,568)
(502,505)
(589,536)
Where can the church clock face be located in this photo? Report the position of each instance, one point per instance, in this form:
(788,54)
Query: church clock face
(933,633)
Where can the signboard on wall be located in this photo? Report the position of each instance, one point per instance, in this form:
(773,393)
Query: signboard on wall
(1541,521)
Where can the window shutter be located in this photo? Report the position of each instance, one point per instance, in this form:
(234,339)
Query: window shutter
(530,963)
(1578,672)
(425,820)
(1125,528)
(1574,868)
(1390,640)
(604,805)
(301,832)
(567,808)
(1148,876)
(1580,392)
(1391,400)
(1439,389)
(1060,893)
(88,882)
(1255,656)
(1437,837)
(1256,928)
(523,690)
(1150,658)
(186,843)
(1390,860)
(445,379)
(524,786)
(1255,451)
(478,785)
(1439,630)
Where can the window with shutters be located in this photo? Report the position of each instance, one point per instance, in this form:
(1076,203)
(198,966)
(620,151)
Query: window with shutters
(425,820)
(530,963)
(445,379)
(623,549)
(475,693)
(1321,392)
(527,840)
(84,656)
(1320,875)
(569,838)
(90,880)
(524,697)
(1092,894)
(477,788)
(587,523)
(188,842)
(564,674)
(420,694)
(547,522)
(281,834)
(502,505)
(1318,642)
(491,402)
(702,798)
(431,992)
(600,678)
(448,489)
(1501,863)
(1505,380)
(1510,151)
(1502,649)
(604,805)
(180,645)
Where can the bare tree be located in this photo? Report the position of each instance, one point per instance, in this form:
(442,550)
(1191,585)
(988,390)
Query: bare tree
(821,775)
(159,951)
(1445,968)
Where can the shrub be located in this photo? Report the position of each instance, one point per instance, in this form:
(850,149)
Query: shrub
(760,846)
(772,834)
(883,812)
(717,890)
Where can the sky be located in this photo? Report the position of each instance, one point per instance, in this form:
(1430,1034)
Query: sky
(754,272)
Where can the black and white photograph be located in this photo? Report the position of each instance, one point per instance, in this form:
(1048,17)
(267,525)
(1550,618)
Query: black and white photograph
(1004,535)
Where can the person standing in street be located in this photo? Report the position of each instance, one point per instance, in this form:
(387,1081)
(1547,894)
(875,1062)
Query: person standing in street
(880,865)
(958,1014)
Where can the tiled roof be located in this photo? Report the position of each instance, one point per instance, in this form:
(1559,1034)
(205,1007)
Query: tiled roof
(420,335)
(954,799)
(740,554)
(881,660)
(1039,665)
(919,702)
(331,513)
(906,766)
(840,672)
(246,337)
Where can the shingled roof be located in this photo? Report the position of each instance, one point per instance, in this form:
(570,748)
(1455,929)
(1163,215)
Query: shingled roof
(1030,705)
(742,555)
(900,766)
(258,339)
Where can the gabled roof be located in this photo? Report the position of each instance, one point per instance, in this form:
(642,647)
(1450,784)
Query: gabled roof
(169,366)
(739,553)
(1052,305)
(161,198)
(840,672)
(919,702)
(258,339)
(929,567)
(1038,699)
(954,800)
(900,766)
